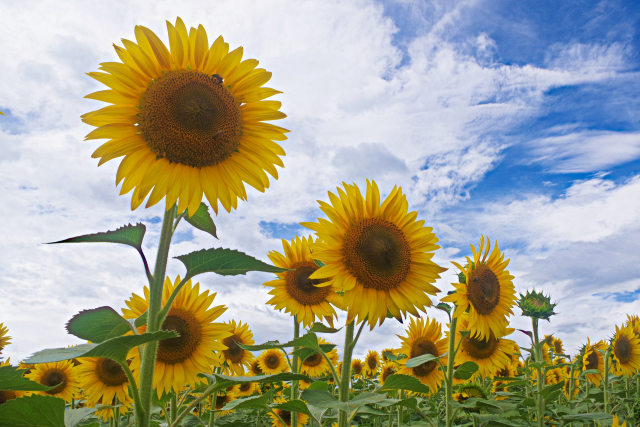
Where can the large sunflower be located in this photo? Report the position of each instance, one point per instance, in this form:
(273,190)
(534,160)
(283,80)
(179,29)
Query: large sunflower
(379,254)
(593,359)
(180,359)
(626,350)
(293,291)
(424,336)
(487,292)
(188,120)
(4,337)
(236,358)
(61,374)
(103,380)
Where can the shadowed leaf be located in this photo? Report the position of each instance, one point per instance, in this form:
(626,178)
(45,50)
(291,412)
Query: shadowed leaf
(226,262)
(33,411)
(11,379)
(130,235)
(98,324)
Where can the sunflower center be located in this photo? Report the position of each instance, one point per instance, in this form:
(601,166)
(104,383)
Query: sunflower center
(592,360)
(372,363)
(233,352)
(272,361)
(285,415)
(480,348)
(255,368)
(313,360)
(178,349)
(244,387)
(389,370)
(221,400)
(484,289)
(356,368)
(377,253)
(190,118)
(54,377)
(622,349)
(303,289)
(418,348)
(110,372)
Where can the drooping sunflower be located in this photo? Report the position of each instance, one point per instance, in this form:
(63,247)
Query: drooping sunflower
(272,361)
(189,120)
(294,291)
(626,350)
(180,359)
(379,254)
(236,358)
(315,365)
(593,359)
(103,380)
(285,416)
(487,293)
(61,374)
(424,336)
(465,391)
(5,339)
(371,363)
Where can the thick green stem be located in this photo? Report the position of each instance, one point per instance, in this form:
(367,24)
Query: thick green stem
(346,372)
(606,381)
(173,408)
(449,377)
(294,369)
(537,350)
(212,413)
(155,304)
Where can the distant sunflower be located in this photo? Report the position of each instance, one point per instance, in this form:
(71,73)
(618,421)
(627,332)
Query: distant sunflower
(188,120)
(245,389)
(104,380)
(5,339)
(490,353)
(379,254)
(487,293)
(356,367)
(389,368)
(61,374)
(593,359)
(285,416)
(221,400)
(386,352)
(626,350)
(254,368)
(236,357)
(294,291)
(272,361)
(371,363)
(180,359)
(424,336)
(315,365)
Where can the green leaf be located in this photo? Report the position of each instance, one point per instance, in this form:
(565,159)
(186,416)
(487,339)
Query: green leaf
(130,235)
(98,324)
(320,328)
(73,417)
(283,376)
(319,385)
(308,340)
(586,417)
(444,307)
(258,402)
(226,262)
(466,370)
(419,360)
(549,389)
(202,220)
(293,406)
(589,371)
(319,398)
(11,379)
(372,411)
(113,348)
(404,382)
(33,411)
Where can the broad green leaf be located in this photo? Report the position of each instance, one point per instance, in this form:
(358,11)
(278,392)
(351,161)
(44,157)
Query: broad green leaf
(226,262)
(130,235)
(419,360)
(73,417)
(319,385)
(323,329)
(264,346)
(404,382)
(33,411)
(549,389)
(319,398)
(113,348)
(202,220)
(98,324)
(293,406)
(372,411)
(589,371)
(466,370)
(11,379)
(259,401)
(586,417)
(308,340)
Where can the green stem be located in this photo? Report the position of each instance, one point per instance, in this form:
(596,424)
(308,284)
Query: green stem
(155,303)
(294,369)
(638,384)
(540,380)
(346,373)
(193,404)
(173,408)
(212,413)
(606,381)
(400,412)
(571,382)
(449,377)
(134,392)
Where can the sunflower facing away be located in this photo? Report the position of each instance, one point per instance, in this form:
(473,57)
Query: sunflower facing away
(626,350)
(189,120)
(61,374)
(272,361)
(235,357)
(180,359)
(424,336)
(488,293)
(294,291)
(593,359)
(5,339)
(379,254)
(103,380)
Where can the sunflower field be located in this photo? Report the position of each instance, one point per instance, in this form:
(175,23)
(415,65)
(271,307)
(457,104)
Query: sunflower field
(191,124)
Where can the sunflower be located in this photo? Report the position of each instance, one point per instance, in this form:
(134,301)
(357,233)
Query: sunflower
(61,374)
(254,368)
(389,368)
(104,381)
(272,361)
(377,253)
(234,356)
(468,390)
(294,291)
(315,365)
(616,422)
(245,389)
(556,344)
(356,367)
(424,336)
(221,400)
(4,338)
(487,292)
(189,120)
(593,359)
(180,359)
(371,363)
(285,416)
(626,350)
(499,384)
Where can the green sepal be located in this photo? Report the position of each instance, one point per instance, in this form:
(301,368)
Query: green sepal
(130,235)
(11,379)
(202,220)
(33,411)
(226,262)
(98,324)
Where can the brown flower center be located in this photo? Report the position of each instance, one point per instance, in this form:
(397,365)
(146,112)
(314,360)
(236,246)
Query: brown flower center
(423,346)
(313,360)
(356,368)
(389,370)
(255,368)
(377,253)
(303,289)
(233,352)
(622,349)
(484,289)
(189,117)
(178,349)
(480,348)
(272,361)
(110,372)
(592,360)
(54,377)
(7,395)
(372,362)
(245,387)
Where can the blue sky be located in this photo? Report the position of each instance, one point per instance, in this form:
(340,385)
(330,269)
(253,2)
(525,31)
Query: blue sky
(517,120)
